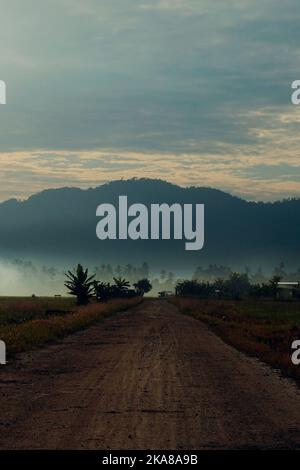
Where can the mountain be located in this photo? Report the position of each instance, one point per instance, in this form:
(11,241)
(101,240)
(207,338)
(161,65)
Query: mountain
(58,225)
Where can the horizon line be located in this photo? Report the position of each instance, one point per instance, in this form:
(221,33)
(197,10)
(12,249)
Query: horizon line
(140,179)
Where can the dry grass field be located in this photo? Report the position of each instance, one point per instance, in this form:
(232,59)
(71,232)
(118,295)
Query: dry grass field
(28,323)
(262,328)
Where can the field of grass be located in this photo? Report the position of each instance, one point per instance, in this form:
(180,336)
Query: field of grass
(19,309)
(27,324)
(262,328)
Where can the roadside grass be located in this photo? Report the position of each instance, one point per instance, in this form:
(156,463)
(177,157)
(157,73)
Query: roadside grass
(20,309)
(27,324)
(262,328)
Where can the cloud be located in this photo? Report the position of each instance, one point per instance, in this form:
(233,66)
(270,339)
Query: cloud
(158,82)
(186,6)
(269,170)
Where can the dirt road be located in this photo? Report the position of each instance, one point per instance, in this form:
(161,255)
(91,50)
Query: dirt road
(149,378)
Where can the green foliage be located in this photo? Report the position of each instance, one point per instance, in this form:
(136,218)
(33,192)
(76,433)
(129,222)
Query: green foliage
(121,287)
(143,286)
(236,287)
(80,284)
(274,285)
(103,291)
(202,289)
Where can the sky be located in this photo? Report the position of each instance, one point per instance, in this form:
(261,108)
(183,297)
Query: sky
(196,92)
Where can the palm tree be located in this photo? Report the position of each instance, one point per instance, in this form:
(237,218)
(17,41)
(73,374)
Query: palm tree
(121,286)
(80,284)
(103,290)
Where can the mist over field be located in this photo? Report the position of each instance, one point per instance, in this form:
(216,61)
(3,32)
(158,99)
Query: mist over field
(16,280)
(26,278)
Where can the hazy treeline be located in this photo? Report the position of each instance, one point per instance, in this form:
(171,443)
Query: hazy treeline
(107,272)
(214,271)
(84,286)
(25,277)
(236,287)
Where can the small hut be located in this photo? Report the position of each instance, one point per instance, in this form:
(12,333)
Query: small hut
(289,290)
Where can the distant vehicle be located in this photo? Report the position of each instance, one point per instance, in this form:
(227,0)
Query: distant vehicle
(165,293)
(57,296)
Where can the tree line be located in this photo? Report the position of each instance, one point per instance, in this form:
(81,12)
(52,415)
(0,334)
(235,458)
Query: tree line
(84,287)
(237,286)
